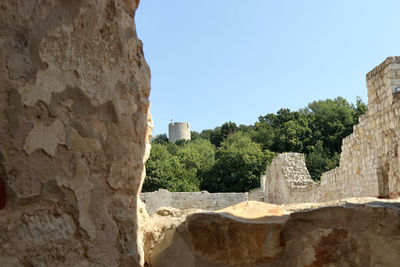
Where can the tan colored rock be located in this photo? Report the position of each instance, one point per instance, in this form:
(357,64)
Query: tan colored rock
(351,232)
(240,235)
(159,225)
(74,132)
(46,138)
(243,234)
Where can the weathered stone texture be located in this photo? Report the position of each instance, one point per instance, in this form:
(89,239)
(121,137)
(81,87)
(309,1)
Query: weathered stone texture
(351,232)
(287,181)
(158,226)
(190,200)
(74,130)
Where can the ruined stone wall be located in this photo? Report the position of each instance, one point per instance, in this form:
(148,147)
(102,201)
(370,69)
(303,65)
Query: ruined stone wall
(287,181)
(190,200)
(370,156)
(74,129)
(369,162)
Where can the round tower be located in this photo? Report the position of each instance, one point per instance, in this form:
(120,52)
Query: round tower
(178,131)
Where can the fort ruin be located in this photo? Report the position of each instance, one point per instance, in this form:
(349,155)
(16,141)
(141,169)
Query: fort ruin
(369,162)
(74,136)
(305,234)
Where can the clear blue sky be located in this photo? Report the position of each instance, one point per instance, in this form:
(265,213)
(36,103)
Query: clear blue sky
(214,61)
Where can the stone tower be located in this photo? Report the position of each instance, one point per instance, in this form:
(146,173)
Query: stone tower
(178,131)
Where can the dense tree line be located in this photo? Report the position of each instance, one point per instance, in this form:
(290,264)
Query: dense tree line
(231,158)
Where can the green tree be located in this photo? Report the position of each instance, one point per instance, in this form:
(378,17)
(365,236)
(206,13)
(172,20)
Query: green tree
(206,134)
(198,155)
(292,135)
(160,139)
(177,167)
(167,171)
(264,133)
(221,133)
(238,166)
(194,135)
(283,132)
(320,161)
(360,108)
(331,121)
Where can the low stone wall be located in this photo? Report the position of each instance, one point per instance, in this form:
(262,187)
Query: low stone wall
(189,200)
(256,194)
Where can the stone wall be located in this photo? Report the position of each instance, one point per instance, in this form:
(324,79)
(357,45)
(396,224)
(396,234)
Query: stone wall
(190,200)
(369,162)
(287,181)
(370,155)
(74,130)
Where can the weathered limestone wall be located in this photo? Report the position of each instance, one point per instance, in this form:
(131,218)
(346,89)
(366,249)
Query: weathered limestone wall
(190,200)
(74,129)
(369,162)
(370,155)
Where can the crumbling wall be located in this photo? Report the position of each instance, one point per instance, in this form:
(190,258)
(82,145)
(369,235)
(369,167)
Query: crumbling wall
(287,181)
(369,162)
(74,129)
(190,200)
(370,156)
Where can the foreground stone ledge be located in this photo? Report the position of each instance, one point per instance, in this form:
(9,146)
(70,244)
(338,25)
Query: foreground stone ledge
(348,232)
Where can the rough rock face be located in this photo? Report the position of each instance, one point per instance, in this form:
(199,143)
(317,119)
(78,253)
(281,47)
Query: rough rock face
(74,129)
(159,224)
(352,232)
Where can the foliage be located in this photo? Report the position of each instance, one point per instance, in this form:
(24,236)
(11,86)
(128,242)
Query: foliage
(238,167)
(360,108)
(221,133)
(331,121)
(160,139)
(175,167)
(232,158)
(320,161)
